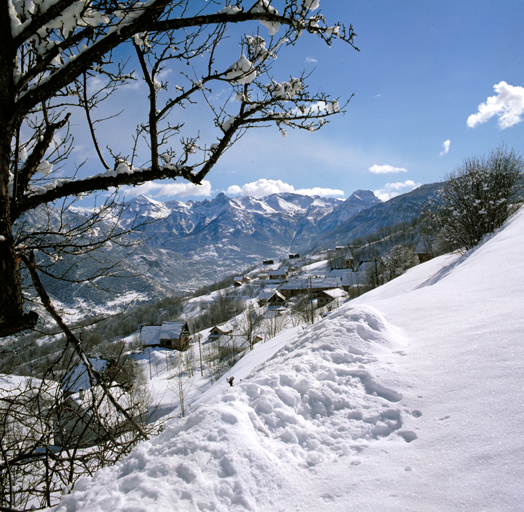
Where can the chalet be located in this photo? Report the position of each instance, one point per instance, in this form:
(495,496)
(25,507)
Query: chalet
(174,335)
(327,296)
(312,285)
(278,275)
(271,298)
(77,379)
(75,420)
(351,279)
(240,280)
(220,330)
(263,275)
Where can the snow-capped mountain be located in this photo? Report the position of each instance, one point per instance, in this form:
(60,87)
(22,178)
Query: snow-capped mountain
(239,231)
(365,221)
(187,245)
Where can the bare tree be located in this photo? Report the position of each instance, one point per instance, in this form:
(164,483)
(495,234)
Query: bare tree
(274,324)
(248,324)
(304,308)
(181,383)
(51,435)
(54,55)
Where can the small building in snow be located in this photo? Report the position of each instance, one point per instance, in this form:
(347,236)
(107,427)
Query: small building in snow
(311,286)
(278,275)
(327,296)
(77,379)
(271,298)
(173,335)
(240,280)
(220,330)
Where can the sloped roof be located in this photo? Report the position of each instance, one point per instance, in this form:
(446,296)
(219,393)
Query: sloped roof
(314,283)
(267,294)
(150,335)
(349,277)
(335,293)
(78,378)
(224,328)
(171,330)
(422,247)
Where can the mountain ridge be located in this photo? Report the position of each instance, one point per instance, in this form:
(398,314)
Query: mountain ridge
(188,245)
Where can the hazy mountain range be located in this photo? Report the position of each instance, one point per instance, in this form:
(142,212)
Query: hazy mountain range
(187,245)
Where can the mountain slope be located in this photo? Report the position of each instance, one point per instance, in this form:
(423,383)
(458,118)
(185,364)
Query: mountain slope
(403,208)
(406,399)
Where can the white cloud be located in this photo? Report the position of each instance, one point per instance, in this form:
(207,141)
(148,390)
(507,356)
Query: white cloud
(155,189)
(311,59)
(264,187)
(390,190)
(445,146)
(318,191)
(508,105)
(385,169)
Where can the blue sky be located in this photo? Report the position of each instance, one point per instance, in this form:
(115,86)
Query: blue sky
(424,69)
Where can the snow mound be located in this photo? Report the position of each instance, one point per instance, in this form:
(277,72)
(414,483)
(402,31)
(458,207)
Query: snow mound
(314,401)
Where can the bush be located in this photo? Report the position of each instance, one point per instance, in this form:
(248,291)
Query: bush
(476,199)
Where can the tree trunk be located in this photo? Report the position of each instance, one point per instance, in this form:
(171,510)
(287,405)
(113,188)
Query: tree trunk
(12,318)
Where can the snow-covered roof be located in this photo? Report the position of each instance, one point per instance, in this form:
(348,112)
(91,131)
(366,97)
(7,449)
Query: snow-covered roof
(422,247)
(150,335)
(348,277)
(336,293)
(78,378)
(171,330)
(317,282)
(267,294)
(223,328)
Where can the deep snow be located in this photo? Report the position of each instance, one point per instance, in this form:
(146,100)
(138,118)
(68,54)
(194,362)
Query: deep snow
(406,399)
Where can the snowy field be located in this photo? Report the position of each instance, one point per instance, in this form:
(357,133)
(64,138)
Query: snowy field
(409,398)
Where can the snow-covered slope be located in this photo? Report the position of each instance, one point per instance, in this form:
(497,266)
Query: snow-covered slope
(409,398)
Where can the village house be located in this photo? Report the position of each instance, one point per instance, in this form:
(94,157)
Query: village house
(173,335)
(75,420)
(349,261)
(220,330)
(311,285)
(240,280)
(271,298)
(327,296)
(77,379)
(353,281)
(278,275)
